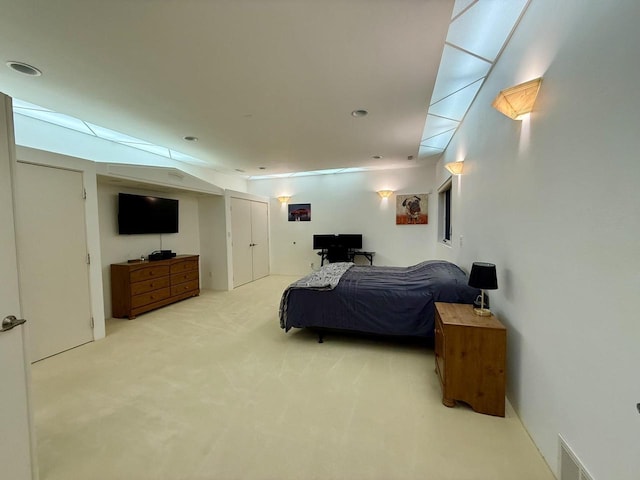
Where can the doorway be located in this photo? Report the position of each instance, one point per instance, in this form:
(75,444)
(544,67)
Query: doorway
(52,258)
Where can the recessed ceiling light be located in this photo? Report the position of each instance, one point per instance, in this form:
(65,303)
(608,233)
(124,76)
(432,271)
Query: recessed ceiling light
(24,68)
(262,168)
(359,113)
(190,138)
(377,157)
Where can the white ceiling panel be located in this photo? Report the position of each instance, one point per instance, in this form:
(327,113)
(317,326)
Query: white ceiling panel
(459,6)
(114,136)
(155,149)
(457,70)
(484,28)
(56,118)
(437,125)
(456,105)
(439,141)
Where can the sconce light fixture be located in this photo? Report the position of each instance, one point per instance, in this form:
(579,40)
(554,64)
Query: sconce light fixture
(455,167)
(284,199)
(515,102)
(385,193)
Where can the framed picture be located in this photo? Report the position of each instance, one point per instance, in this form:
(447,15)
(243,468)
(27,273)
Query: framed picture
(412,209)
(300,212)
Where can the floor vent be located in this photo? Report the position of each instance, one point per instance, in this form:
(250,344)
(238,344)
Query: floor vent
(571,467)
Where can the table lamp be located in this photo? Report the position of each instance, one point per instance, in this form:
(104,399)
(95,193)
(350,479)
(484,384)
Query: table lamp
(483,276)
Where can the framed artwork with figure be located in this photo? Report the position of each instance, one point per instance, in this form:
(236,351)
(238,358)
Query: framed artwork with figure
(412,209)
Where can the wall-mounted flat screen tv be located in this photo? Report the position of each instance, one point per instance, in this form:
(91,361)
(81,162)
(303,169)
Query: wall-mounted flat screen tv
(138,214)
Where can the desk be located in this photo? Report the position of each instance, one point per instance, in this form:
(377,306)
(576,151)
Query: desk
(352,255)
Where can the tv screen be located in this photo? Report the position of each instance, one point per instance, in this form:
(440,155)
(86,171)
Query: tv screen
(143,214)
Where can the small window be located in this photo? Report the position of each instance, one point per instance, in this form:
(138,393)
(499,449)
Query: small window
(444,213)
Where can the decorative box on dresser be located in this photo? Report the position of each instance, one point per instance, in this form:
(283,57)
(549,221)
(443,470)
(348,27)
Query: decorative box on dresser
(142,286)
(470,355)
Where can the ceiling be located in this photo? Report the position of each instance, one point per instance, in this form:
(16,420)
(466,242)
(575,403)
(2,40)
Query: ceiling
(267,86)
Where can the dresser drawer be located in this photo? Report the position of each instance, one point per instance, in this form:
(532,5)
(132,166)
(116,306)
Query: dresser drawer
(149,285)
(151,297)
(149,272)
(184,287)
(177,278)
(184,266)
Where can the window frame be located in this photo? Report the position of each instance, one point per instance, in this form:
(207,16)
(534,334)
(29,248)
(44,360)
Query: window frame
(445,202)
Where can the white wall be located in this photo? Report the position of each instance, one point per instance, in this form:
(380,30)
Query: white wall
(348,203)
(213,243)
(120,248)
(554,202)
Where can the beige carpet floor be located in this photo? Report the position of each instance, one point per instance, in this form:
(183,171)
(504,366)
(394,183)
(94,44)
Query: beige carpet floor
(212,388)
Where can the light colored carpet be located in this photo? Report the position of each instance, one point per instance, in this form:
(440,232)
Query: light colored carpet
(212,388)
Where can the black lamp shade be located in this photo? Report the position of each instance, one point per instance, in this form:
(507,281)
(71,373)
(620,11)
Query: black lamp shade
(483,276)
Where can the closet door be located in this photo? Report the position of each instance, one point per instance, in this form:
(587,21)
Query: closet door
(52,258)
(241,241)
(260,239)
(250,240)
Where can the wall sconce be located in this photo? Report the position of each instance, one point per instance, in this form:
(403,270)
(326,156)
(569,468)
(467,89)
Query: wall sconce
(284,199)
(385,193)
(455,167)
(515,102)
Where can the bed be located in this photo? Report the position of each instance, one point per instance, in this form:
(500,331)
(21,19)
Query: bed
(395,301)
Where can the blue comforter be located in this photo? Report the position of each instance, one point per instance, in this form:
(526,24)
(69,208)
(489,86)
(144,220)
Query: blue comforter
(381,300)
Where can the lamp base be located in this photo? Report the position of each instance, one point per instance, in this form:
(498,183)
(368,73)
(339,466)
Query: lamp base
(482,312)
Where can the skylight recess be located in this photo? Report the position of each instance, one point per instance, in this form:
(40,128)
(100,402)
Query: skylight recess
(27,109)
(59,119)
(483,29)
(457,70)
(439,141)
(478,32)
(114,136)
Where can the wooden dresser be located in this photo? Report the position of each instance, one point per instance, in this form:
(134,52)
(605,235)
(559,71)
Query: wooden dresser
(470,358)
(142,286)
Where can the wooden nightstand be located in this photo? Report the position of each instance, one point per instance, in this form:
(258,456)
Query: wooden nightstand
(470,358)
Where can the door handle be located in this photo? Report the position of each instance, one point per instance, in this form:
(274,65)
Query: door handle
(11,321)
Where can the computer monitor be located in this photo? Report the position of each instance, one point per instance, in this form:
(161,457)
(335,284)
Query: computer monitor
(350,240)
(347,240)
(322,242)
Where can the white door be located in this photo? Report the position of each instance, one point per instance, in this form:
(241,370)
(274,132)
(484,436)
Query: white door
(241,241)
(250,240)
(52,258)
(260,239)
(16,440)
